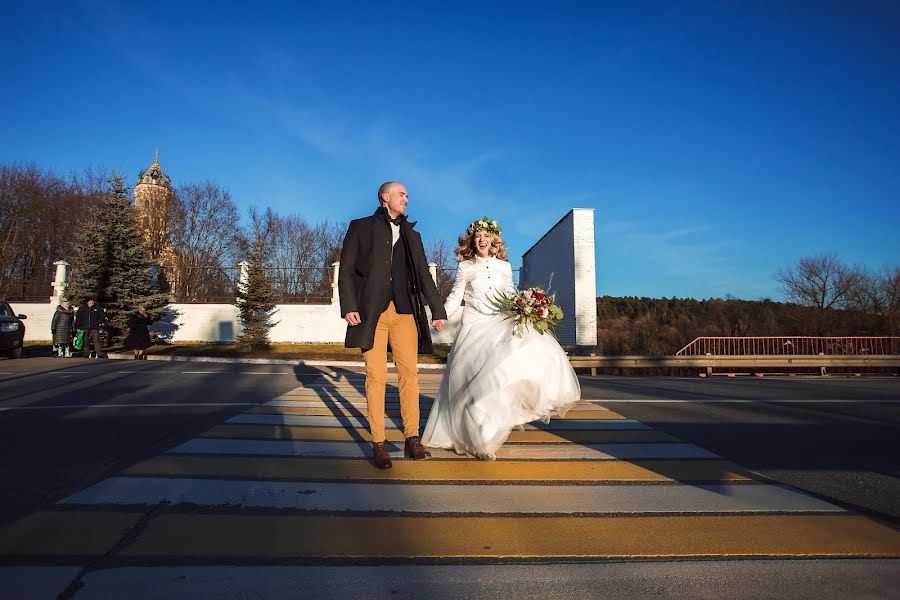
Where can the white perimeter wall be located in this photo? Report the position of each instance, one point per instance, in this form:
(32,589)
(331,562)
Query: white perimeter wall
(304,323)
(566,253)
(37,325)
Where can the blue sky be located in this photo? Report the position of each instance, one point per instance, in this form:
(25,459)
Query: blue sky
(717,141)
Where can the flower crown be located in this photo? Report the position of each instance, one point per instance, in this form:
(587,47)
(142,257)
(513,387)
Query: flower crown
(483,224)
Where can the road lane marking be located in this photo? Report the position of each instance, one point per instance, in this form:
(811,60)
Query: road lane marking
(65,533)
(746,401)
(353,421)
(266,373)
(455,499)
(354,469)
(512,452)
(337,408)
(521,537)
(204,372)
(136,405)
(341,434)
(317,402)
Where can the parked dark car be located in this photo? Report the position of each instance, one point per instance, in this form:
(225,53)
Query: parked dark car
(12,331)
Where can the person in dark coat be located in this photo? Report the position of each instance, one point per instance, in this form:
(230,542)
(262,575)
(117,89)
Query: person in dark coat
(89,319)
(383,277)
(62,328)
(138,333)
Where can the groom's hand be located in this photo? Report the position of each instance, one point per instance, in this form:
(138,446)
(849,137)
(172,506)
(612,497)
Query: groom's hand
(438,324)
(352,318)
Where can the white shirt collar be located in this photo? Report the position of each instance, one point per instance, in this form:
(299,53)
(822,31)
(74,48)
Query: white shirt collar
(395,232)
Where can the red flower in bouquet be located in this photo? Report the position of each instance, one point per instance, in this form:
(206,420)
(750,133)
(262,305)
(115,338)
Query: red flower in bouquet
(531,307)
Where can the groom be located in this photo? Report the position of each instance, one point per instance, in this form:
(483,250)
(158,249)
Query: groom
(383,276)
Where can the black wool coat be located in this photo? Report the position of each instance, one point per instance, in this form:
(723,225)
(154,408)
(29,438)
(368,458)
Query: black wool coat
(364,280)
(89,318)
(138,333)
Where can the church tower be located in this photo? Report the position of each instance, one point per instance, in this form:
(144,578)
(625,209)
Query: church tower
(152,208)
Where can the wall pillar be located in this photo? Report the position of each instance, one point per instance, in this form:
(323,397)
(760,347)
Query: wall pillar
(335,293)
(60,282)
(244,278)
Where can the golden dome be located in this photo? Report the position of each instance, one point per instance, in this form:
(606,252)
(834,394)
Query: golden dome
(154,175)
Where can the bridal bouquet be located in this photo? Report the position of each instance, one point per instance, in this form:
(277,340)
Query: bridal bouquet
(533,306)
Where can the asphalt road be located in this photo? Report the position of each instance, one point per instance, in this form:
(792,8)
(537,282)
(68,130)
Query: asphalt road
(68,424)
(835,437)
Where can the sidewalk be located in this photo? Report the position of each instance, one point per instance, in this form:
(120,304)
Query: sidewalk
(261,361)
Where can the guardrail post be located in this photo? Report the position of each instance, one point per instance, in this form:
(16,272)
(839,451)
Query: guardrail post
(822,370)
(708,369)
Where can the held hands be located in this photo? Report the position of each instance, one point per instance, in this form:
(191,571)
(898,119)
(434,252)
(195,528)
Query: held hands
(352,318)
(438,324)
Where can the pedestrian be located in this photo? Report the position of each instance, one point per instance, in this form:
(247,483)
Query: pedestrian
(383,277)
(89,318)
(138,338)
(62,329)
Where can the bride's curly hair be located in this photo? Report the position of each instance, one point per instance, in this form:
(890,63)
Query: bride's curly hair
(466,248)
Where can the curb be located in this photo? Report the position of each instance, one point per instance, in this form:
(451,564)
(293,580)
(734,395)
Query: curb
(262,361)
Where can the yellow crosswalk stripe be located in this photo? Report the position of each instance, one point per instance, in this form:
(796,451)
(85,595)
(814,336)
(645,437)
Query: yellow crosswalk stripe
(315,536)
(299,468)
(327,411)
(65,533)
(350,434)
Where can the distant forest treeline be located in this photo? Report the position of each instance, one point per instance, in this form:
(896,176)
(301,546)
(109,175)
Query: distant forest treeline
(655,326)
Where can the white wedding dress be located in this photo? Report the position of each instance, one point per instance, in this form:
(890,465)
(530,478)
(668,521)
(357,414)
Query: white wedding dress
(495,381)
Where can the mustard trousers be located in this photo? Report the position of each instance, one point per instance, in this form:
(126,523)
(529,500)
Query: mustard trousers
(400,331)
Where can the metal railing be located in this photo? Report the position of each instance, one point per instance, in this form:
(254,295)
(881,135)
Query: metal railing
(792,346)
(213,284)
(33,290)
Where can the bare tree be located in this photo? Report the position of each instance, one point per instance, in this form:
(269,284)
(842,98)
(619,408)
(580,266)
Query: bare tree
(441,252)
(890,286)
(292,249)
(330,238)
(205,233)
(822,281)
(41,217)
(301,257)
(877,297)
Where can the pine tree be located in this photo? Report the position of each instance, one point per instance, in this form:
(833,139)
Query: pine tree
(254,297)
(111,265)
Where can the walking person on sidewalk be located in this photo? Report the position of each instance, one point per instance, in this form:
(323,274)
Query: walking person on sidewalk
(383,276)
(138,333)
(89,319)
(62,328)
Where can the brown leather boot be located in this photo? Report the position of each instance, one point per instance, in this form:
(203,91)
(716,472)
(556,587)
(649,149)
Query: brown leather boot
(382,456)
(415,450)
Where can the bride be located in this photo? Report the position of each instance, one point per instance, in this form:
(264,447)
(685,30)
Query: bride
(493,381)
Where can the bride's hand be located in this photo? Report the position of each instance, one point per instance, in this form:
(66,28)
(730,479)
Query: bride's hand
(438,324)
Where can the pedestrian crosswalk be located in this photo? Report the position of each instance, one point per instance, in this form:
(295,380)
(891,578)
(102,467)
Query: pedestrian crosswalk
(292,480)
